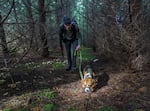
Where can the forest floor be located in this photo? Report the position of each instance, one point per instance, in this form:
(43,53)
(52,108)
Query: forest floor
(46,88)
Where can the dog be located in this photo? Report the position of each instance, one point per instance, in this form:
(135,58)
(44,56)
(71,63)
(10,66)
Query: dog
(88,82)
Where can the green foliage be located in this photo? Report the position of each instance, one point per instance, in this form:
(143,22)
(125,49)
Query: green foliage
(47,93)
(49,107)
(21,109)
(4,75)
(87,53)
(139,110)
(50,49)
(107,108)
(33,65)
(58,65)
(72,109)
(6,110)
(2,81)
(30,65)
(133,105)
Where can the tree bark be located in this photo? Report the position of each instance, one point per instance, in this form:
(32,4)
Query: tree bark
(3,38)
(42,20)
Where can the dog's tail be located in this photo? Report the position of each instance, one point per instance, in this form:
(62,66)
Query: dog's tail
(93,61)
(90,64)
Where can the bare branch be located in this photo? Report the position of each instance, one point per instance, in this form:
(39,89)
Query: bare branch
(13,3)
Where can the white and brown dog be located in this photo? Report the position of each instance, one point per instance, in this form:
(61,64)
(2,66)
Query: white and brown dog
(88,82)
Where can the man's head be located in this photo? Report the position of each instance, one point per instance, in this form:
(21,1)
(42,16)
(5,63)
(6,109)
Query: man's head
(67,22)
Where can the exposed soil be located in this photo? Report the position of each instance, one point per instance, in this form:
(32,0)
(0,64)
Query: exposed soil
(124,90)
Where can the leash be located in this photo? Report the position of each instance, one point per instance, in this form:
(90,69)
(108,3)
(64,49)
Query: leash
(80,63)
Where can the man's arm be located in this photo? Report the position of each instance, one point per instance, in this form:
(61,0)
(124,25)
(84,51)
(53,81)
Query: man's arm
(79,39)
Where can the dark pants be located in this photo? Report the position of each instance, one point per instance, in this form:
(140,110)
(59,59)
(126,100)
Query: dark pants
(71,52)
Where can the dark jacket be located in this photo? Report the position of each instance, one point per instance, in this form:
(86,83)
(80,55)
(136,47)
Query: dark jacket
(70,35)
(67,34)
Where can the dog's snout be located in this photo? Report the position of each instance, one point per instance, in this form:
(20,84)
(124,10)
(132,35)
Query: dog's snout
(87,90)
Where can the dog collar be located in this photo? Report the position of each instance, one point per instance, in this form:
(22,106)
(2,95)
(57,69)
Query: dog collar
(88,75)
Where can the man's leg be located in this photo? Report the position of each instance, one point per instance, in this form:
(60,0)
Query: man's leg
(68,53)
(74,54)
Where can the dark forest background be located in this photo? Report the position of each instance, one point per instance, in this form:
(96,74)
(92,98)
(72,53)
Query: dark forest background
(32,75)
(117,29)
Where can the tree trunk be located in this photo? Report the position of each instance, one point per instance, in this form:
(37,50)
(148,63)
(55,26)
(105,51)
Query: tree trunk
(27,3)
(134,6)
(93,18)
(42,20)
(3,39)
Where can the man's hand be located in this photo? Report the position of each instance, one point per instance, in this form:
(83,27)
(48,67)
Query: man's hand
(78,48)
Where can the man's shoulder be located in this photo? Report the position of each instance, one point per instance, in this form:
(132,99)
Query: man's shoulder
(61,26)
(75,27)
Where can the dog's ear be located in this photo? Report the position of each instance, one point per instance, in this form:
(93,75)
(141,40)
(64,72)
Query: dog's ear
(94,75)
(82,83)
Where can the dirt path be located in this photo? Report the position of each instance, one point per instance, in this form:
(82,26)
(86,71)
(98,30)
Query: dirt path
(123,90)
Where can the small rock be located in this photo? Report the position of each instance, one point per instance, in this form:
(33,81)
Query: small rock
(142,89)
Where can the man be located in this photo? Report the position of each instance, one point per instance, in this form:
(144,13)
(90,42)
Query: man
(69,34)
